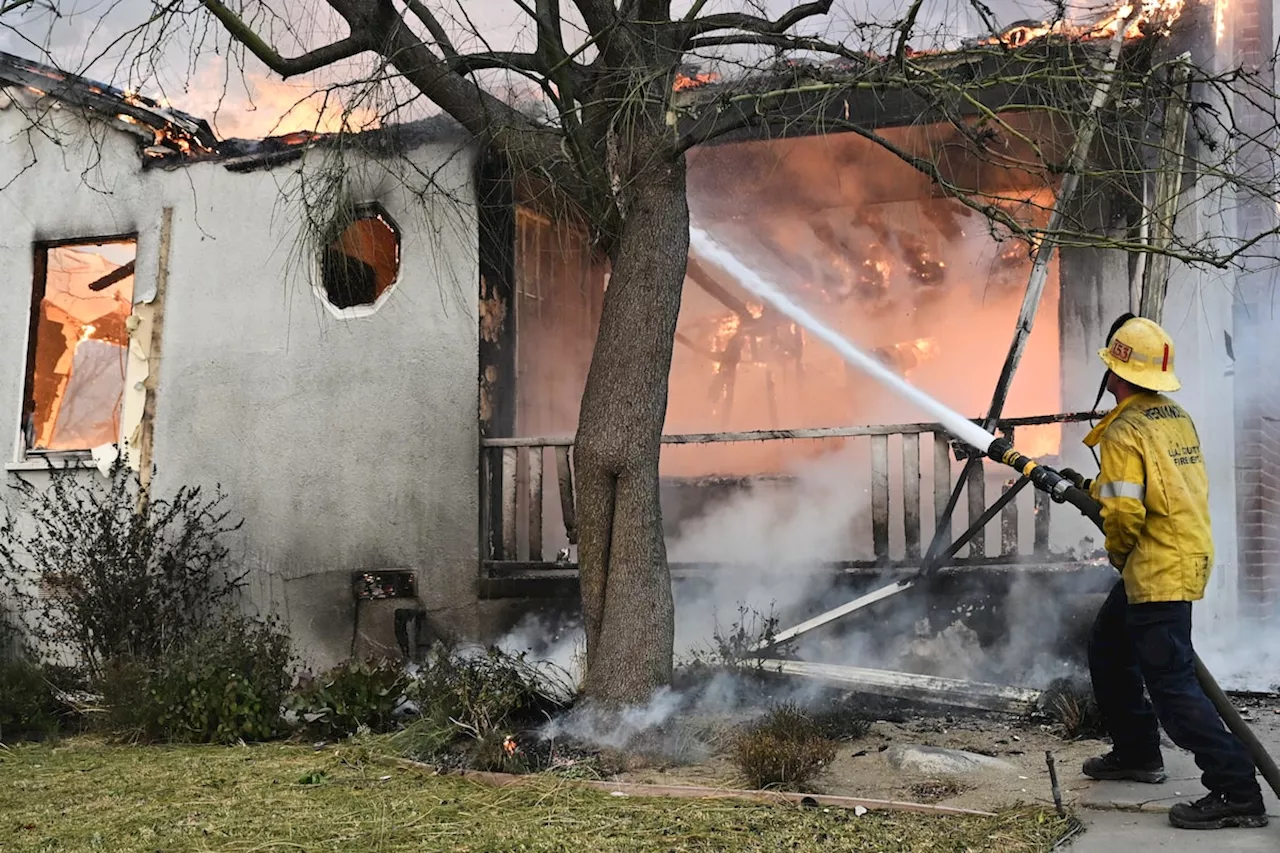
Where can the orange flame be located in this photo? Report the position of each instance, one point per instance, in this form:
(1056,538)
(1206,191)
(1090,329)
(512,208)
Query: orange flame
(724,332)
(925,347)
(684,81)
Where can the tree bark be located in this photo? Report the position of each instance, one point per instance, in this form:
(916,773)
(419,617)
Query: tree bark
(622,557)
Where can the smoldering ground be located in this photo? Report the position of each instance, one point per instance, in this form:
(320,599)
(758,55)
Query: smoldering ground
(770,542)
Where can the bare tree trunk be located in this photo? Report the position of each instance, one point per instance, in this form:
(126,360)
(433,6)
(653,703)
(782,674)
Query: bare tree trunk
(626,584)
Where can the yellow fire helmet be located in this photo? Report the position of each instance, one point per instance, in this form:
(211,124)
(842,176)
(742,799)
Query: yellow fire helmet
(1142,353)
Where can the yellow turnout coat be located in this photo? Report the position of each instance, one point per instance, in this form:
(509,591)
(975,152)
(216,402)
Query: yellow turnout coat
(1155,499)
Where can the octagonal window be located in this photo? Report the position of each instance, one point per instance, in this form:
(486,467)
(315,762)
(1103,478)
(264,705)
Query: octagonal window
(363,261)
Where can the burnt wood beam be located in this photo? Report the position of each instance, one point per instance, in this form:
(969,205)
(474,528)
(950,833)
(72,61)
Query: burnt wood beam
(116,275)
(700,276)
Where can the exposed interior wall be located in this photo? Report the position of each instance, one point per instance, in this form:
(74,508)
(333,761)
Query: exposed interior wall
(346,443)
(559,283)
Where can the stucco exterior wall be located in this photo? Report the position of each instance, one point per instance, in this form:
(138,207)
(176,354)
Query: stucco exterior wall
(345,443)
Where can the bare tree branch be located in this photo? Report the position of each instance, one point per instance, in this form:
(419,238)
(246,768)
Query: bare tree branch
(654,10)
(530,145)
(780,41)
(432,23)
(469,63)
(756,24)
(695,10)
(14,5)
(348,47)
(904,31)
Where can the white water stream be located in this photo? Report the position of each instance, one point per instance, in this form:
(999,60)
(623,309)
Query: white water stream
(707,249)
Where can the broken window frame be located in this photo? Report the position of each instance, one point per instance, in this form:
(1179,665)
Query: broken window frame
(23,452)
(361,211)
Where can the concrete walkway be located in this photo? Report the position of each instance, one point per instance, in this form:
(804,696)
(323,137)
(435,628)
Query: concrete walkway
(1129,817)
(1110,832)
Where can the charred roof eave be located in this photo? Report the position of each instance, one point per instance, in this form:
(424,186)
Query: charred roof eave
(173,138)
(175,134)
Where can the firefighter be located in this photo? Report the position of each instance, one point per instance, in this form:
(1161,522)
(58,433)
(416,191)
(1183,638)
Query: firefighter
(1155,507)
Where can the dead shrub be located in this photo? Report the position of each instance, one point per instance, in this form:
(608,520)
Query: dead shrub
(783,749)
(475,706)
(737,647)
(1070,702)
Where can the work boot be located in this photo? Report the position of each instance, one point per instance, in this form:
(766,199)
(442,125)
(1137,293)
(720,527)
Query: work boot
(1220,810)
(1111,769)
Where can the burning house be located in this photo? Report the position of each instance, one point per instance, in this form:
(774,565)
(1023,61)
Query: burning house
(388,390)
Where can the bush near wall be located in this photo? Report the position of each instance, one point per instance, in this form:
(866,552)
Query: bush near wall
(474,707)
(139,588)
(228,685)
(352,696)
(106,570)
(29,707)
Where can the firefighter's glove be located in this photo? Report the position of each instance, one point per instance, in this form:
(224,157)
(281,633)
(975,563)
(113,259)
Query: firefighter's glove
(1117,560)
(1076,478)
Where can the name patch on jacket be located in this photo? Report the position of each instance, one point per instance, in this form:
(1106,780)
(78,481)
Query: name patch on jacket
(1160,413)
(1185,455)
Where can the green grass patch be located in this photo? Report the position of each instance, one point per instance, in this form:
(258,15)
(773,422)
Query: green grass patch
(86,795)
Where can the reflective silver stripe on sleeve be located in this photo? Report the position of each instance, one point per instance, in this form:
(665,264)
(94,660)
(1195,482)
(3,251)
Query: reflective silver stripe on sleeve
(1121,489)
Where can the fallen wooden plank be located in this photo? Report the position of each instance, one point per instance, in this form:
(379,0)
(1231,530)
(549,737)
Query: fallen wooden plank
(693,792)
(918,688)
(832,615)
(893,588)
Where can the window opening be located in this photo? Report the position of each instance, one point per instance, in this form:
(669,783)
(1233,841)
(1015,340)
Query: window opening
(362,263)
(82,298)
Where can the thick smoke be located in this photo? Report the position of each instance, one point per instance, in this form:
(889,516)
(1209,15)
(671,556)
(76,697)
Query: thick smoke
(1244,657)
(777,541)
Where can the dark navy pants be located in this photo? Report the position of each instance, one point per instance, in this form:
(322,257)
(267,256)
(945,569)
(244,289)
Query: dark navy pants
(1137,644)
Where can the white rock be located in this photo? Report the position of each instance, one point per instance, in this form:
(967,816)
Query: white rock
(934,761)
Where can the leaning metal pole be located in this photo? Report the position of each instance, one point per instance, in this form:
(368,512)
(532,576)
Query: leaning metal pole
(1039,275)
(1044,252)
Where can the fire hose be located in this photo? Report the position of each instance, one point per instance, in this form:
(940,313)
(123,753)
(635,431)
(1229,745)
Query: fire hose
(1062,490)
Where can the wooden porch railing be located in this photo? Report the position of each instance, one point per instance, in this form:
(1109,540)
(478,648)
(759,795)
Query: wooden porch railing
(515,487)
